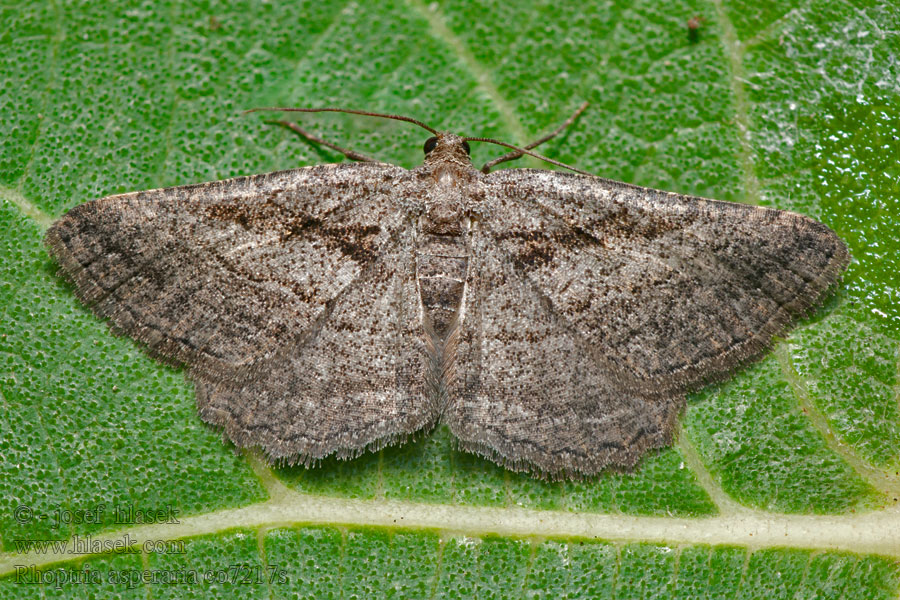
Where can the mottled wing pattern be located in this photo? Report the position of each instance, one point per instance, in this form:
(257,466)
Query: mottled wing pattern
(230,277)
(669,291)
(596,305)
(356,381)
(526,391)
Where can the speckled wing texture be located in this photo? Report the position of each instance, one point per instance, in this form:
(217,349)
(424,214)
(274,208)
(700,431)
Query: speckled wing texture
(593,306)
(289,296)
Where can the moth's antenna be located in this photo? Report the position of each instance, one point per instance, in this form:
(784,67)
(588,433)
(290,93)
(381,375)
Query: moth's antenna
(486,168)
(351,154)
(524,151)
(349,111)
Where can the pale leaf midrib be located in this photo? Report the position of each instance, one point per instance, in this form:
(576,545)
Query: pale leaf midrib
(866,533)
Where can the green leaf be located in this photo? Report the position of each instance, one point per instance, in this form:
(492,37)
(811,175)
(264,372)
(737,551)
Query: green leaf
(783,482)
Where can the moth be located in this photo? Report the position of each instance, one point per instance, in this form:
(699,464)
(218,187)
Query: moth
(553,321)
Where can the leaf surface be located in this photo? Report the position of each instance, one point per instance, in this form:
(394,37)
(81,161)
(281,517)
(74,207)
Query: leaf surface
(784,481)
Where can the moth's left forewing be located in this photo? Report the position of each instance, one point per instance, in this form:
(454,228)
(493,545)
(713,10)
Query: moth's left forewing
(670,290)
(218,275)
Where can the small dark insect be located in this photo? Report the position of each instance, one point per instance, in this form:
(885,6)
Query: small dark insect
(694,25)
(553,321)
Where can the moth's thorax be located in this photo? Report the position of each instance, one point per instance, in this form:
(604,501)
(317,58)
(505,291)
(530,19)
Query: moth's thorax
(444,205)
(448,178)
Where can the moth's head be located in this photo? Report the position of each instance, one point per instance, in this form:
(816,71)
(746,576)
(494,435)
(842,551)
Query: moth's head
(446,146)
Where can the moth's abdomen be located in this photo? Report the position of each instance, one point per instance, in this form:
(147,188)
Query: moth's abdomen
(442,261)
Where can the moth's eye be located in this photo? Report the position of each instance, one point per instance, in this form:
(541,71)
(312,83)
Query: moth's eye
(430,143)
(466,147)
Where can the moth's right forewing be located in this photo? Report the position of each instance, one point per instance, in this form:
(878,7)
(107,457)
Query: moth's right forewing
(669,291)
